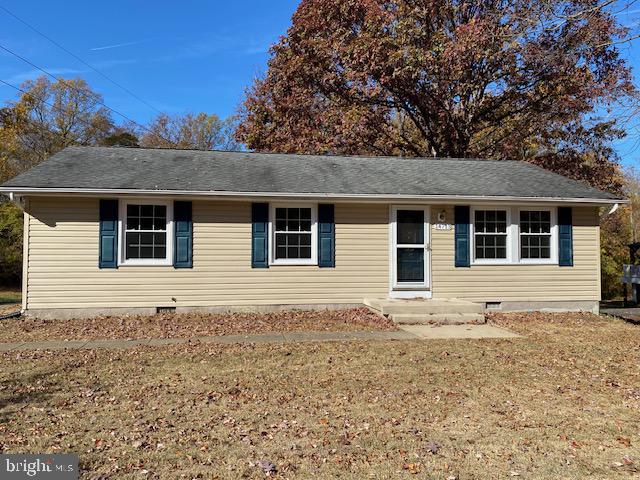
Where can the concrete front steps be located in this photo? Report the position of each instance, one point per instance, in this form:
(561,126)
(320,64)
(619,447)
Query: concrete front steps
(448,311)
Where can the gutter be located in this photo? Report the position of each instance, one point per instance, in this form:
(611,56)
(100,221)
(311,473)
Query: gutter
(16,192)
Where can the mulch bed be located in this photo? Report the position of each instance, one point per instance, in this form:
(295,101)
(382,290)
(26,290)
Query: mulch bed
(192,325)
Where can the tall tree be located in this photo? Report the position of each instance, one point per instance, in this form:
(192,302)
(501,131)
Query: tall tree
(51,116)
(199,131)
(48,117)
(521,79)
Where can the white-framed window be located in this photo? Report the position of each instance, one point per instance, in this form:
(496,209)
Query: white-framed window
(514,235)
(538,241)
(293,232)
(145,232)
(491,231)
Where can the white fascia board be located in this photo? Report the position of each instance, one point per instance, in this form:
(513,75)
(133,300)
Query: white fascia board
(442,199)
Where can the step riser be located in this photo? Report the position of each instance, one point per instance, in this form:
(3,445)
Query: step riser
(430,309)
(440,319)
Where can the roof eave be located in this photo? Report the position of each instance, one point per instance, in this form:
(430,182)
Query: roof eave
(302,195)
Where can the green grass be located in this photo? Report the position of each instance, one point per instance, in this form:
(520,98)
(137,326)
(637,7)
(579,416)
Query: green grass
(562,402)
(10,296)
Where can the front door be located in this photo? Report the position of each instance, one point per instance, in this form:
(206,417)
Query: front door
(410,252)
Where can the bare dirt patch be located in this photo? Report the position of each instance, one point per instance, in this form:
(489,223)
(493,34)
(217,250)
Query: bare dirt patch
(561,402)
(192,325)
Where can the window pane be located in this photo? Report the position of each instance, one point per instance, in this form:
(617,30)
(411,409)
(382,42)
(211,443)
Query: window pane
(410,265)
(146,238)
(293,225)
(133,223)
(491,247)
(132,245)
(159,239)
(305,214)
(293,245)
(281,224)
(410,226)
(160,211)
(305,225)
(146,223)
(133,210)
(490,221)
(293,239)
(159,223)
(535,246)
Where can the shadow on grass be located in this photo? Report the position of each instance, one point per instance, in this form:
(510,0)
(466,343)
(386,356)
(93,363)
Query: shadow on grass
(32,389)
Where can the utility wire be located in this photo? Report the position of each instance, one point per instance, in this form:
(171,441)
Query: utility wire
(49,104)
(82,93)
(79,59)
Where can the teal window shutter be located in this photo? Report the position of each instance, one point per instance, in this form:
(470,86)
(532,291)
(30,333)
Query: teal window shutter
(182,235)
(326,236)
(565,237)
(108,249)
(260,235)
(462,243)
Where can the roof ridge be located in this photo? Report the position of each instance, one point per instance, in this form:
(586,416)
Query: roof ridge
(317,155)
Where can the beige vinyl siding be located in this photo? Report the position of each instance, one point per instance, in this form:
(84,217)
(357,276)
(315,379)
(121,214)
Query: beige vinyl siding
(63,261)
(63,271)
(518,282)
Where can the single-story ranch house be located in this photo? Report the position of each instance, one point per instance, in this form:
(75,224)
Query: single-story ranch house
(132,229)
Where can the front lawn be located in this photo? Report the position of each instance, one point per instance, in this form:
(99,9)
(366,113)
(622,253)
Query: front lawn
(561,402)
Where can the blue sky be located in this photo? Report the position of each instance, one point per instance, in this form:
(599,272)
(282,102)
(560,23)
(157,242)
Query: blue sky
(177,56)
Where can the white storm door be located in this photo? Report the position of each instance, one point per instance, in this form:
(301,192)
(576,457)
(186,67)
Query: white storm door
(411,249)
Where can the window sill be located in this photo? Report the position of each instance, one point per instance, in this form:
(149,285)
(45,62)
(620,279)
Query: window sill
(521,262)
(277,263)
(133,263)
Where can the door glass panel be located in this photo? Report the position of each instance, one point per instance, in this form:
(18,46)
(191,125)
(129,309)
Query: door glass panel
(411,265)
(410,227)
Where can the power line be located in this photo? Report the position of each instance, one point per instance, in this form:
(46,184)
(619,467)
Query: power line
(80,59)
(50,105)
(100,102)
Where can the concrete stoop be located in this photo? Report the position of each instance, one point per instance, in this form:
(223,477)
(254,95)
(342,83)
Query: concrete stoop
(450,311)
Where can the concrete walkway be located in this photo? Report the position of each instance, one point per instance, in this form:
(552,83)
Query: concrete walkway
(407,332)
(631,314)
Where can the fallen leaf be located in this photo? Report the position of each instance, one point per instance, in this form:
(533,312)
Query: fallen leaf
(626,441)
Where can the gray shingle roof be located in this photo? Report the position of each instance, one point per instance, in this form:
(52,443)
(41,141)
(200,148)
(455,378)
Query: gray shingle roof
(198,171)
